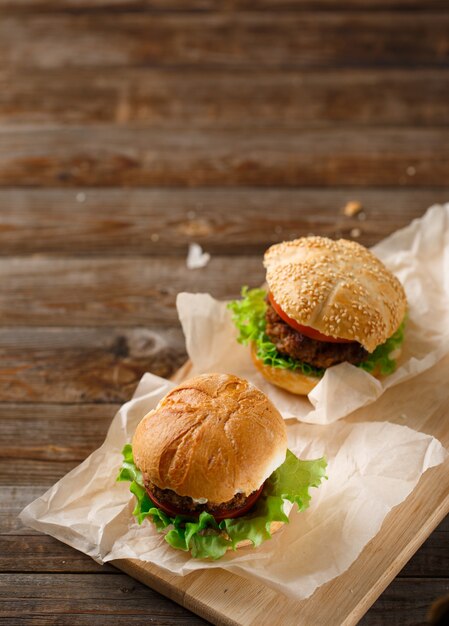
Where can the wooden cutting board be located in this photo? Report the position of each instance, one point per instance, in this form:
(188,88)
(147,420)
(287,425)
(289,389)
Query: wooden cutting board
(227,599)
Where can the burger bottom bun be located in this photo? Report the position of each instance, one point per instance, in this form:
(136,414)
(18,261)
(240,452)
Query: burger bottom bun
(274,527)
(295,382)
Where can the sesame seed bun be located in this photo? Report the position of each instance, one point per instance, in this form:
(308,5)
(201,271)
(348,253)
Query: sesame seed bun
(295,381)
(336,287)
(211,437)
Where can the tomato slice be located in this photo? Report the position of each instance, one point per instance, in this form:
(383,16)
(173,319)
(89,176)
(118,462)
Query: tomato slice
(172,511)
(304,330)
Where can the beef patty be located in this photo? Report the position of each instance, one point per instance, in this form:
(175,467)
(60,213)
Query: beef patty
(291,342)
(187,505)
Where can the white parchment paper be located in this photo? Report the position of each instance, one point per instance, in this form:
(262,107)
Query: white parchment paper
(373,466)
(417,254)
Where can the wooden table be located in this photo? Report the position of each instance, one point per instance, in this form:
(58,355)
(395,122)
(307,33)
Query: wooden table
(129,128)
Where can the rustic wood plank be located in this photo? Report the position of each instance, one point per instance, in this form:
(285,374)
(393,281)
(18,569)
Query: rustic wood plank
(53,432)
(432,559)
(201,99)
(405,602)
(14,499)
(226,39)
(135,156)
(39,553)
(110,291)
(66,365)
(217,5)
(163,222)
(158,617)
(55,598)
(31,472)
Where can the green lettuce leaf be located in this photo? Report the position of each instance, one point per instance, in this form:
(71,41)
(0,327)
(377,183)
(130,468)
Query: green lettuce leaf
(291,481)
(248,315)
(380,359)
(203,537)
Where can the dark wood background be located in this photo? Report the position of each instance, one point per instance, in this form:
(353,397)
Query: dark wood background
(129,128)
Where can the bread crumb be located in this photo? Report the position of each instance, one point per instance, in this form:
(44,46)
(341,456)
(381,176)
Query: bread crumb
(352,208)
(355,232)
(196,258)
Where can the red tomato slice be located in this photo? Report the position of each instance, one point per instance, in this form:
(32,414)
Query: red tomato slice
(173,511)
(304,330)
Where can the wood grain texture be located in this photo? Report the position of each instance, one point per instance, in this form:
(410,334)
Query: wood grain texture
(39,553)
(83,364)
(34,472)
(29,603)
(135,156)
(55,432)
(162,222)
(163,615)
(14,498)
(135,291)
(210,99)
(226,39)
(55,598)
(405,602)
(217,5)
(431,560)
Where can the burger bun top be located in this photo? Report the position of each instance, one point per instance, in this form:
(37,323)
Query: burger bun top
(336,287)
(211,437)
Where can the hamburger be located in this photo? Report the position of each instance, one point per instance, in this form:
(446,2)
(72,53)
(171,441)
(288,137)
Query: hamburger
(210,467)
(327,302)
